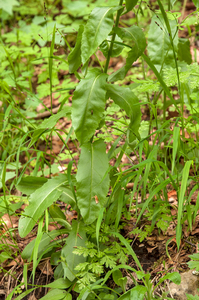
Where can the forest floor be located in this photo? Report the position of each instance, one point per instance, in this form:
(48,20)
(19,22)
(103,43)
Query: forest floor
(157,252)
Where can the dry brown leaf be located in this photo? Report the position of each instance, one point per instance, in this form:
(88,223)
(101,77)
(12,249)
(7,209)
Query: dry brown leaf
(195,231)
(45,267)
(150,250)
(172,193)
(173,211)
(10,221)
(32,297)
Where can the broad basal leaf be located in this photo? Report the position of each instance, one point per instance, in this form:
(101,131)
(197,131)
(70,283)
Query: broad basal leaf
(39,201)
(77,237)
(74,58)
(92,184)
(159,46)
(96,30)
(88,105)
(135,35)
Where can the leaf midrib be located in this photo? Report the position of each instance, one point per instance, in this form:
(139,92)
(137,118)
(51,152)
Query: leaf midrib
(97,29)
(86,108)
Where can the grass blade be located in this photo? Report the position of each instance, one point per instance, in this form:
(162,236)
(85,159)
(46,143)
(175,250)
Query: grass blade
(185,176)
(176,134)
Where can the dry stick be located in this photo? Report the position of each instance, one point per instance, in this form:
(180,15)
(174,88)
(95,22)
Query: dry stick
(45,114)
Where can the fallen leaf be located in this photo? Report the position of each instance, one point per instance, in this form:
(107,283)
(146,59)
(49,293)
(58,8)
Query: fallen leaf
(45,267)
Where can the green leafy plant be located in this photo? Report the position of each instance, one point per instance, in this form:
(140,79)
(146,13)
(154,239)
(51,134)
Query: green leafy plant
(90,188)
(88,251)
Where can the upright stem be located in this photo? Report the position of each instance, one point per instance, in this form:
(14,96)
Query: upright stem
(169,5)
(113,37)
(183,10)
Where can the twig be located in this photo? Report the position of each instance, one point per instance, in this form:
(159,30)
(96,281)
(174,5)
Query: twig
(45,114)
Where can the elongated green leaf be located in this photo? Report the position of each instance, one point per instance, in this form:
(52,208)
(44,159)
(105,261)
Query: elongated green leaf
(126,296)
(92,184)
(49,123)
(172,2)
(185,176)
(159,46)
(155,191)
(60,283)
(124,97)
(74,58)
(136,293)
(196,3)
(176,135)
(59,271)
(96,30)
(120,202)
(135,35)
(56,212)
(52,120)
(184,53)
(23,295)
(36,246)
(61,222)
(118,75)
(126,267)
(54,294)
(88,105)
(39,201)
(68,197)
(174,277)
(77,237)
(117,275)
(5,123)
(45,241)
(50,63)
(8,175)
(117,46)
(29,184)
(98,225)
(126,244)
(130,4)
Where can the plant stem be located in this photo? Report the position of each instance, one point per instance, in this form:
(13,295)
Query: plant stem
(183,10)
(113,37)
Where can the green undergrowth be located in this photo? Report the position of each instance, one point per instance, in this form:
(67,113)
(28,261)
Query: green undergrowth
(133,125)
